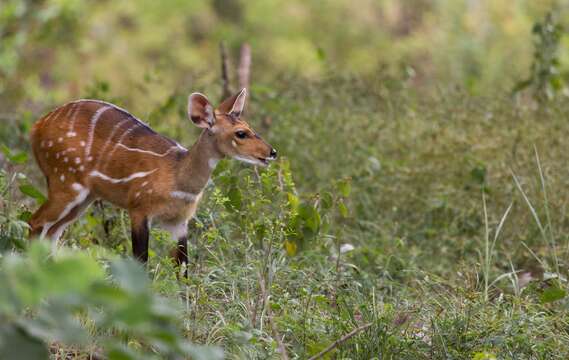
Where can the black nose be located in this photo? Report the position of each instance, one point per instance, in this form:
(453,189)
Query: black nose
(273,154)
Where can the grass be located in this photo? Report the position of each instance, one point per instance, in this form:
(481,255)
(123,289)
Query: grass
(453,257)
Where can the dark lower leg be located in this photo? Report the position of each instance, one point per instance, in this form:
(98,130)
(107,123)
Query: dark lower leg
(140,234)
(182,254)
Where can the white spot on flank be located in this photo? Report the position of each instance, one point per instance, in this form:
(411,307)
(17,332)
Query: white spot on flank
(72,170)
(121,180)
(57,156)
(77,160)
(82,143)
(75,110)
(43,144)
(90,158)
(93,125)
(65,159)
(60,140)
(71,134)
(50,143)
(186,196)
(81,168)
(149,191)
(55,169)
(62,178)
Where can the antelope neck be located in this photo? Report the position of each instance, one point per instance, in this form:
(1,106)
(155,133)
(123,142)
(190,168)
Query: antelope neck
(197,164)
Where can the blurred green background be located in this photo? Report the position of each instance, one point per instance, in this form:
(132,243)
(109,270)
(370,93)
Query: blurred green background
(52,50)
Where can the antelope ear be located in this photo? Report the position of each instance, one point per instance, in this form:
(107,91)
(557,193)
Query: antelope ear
(200,110)
(234,105)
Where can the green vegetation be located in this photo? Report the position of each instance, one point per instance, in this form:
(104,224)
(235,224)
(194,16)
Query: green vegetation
(418,205)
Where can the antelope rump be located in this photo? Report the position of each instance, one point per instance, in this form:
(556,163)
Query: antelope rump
(90,149)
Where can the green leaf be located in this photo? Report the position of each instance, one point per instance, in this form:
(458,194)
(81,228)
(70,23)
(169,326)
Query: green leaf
(15,343)
(33,192)
(130,275)
(552,293)
(19,158)
(343,209)
(310,216)
(327,200)
(235,197)
(345,187)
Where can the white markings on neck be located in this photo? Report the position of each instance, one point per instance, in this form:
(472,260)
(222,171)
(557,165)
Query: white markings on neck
(92,125)
(137,195)
(212,163)
(121,180)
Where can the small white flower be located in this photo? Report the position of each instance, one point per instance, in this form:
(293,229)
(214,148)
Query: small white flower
(346,248)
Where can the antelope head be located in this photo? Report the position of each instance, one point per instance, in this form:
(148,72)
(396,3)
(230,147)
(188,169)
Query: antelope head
(232,135)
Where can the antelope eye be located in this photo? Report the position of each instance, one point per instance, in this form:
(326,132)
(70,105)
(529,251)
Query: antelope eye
(241,134)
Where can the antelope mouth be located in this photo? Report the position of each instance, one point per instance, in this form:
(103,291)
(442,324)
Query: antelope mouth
(253,160)
(263,161)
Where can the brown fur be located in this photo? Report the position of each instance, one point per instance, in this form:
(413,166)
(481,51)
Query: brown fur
(94,150)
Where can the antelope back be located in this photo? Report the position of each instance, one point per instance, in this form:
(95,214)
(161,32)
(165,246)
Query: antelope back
(93,139)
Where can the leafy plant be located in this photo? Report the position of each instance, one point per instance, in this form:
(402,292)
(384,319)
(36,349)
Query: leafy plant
(546,79)
(68,292)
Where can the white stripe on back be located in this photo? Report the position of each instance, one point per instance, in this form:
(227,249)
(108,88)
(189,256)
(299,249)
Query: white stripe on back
(115,129)
(92,126)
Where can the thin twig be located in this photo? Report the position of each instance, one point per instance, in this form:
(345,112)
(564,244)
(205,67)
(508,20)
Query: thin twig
(226,91)
(276,335)
(340,341)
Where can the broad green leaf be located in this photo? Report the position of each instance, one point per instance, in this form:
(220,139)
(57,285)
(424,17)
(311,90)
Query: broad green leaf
(33,192)
(345,187)
(15,343)
(130,275)
(551,294)
(343,209)
(19,158)
(327,200)
(290,247)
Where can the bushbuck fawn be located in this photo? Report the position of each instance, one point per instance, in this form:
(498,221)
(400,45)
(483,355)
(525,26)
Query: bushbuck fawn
(90,149)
